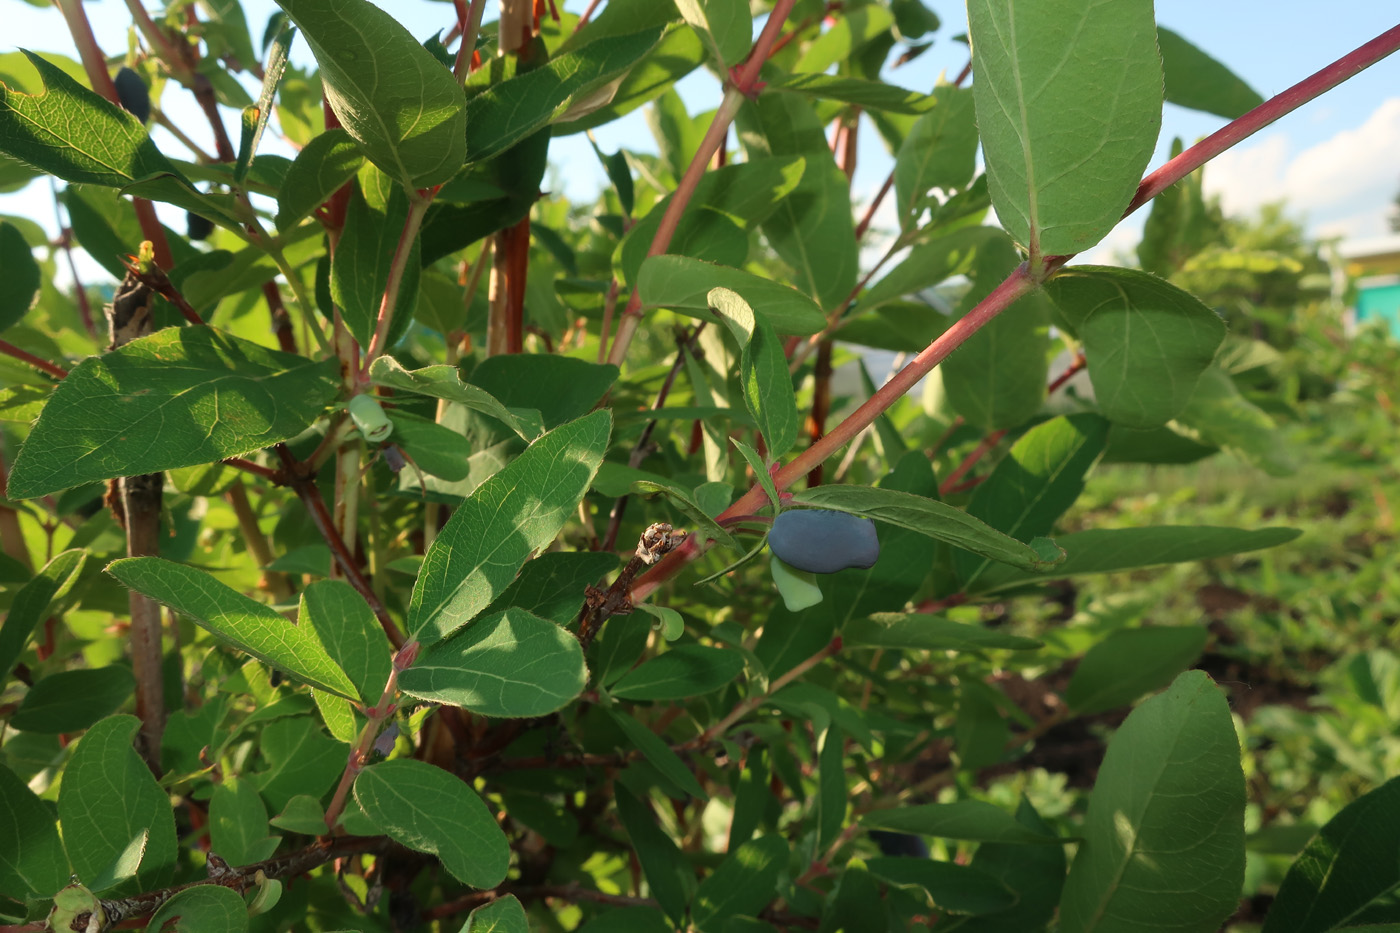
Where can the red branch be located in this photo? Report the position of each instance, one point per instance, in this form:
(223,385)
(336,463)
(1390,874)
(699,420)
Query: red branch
(24,356)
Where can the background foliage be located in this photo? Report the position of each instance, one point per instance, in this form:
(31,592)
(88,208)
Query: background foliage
(323,610)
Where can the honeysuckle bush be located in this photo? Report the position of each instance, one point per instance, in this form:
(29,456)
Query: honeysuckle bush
(392,554)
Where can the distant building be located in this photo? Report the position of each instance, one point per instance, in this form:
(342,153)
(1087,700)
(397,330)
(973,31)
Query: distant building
(1374,265)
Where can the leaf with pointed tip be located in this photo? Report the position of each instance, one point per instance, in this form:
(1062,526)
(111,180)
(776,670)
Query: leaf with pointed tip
(973,820)
(32,602)
(405,110)
(31,854)
(1194,79)
(1106,550)
(939,152)
(767,388)
(1164,834)
(515,513)
(659,754)
(182,396)
(246,624)
(1069,101)
(932,518)
(430,810)
(503,915)
(743,883)
(1130,663)
(872,95)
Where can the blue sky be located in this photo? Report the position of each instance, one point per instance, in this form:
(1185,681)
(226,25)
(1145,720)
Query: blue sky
(1337,161)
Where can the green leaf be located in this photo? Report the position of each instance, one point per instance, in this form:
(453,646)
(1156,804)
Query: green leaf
(430,810)
(683,285)
(743,884)
(939,152)
(659,754)
(205,908)
(997,378)
(238,823)
(20,284)
(360,266)
(731,308)
(107,799)
(798,588)
(248,625)
(760,471)
(1042,68)
(78,135)
(852,30)
(930,263)
(404,109)
(668,874)
(506,113)
(503,915)
(726,202)
(725,26)
(516,512)
(560,388)
(552,585)
(811,229)
(70,701)
(1147,342)
(973,820)
(957,889)
(921,632)
(831,785)
(767,388)
(180,397)
(1032,486)
(1164,835)
(513,664)
(683,671)
(1219,416)
(686,504)
(928,517)
(872,95)
(435,448)
(1034,873)
(677,54)
(328,161)
(1106,550)
(341,620)
(445,382)
(255,117)
(1130,663)
(1193,79)
(32,862)
(32,602)
(1353,860)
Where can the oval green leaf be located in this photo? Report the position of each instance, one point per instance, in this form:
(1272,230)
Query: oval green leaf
(205,908)
(1069,102)
(515,513)
(70,701)
(432,811)
(1130,663)
(399,103)
(513,664)
(1164,835)
(180,397)
(1147,342)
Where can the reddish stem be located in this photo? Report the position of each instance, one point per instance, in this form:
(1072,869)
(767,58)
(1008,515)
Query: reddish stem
(257,469)
(744,82)
(1018,284)
(587,15)
(864,224)
(24,356)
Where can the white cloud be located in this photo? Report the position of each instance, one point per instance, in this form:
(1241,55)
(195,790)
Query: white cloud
(1343,185)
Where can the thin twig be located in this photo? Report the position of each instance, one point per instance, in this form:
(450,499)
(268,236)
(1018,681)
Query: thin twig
(24,356)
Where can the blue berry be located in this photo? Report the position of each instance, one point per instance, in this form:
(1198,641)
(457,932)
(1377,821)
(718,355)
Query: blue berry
(819,541)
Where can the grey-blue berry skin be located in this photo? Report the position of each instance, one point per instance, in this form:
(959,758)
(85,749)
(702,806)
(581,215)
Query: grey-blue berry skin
(819,541)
